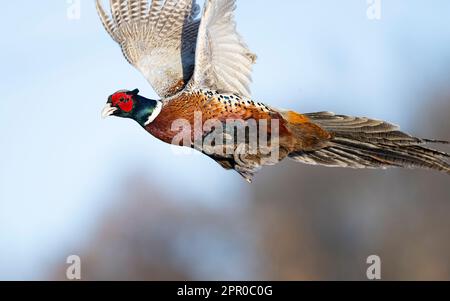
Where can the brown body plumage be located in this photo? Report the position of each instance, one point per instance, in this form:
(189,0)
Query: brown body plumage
(319,138)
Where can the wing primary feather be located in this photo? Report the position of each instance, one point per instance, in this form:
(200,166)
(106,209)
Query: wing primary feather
(154,12)
(107,22)
(167,18)
(143,10)
(116,11)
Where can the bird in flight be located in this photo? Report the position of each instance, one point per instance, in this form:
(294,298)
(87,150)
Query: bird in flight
(201,69)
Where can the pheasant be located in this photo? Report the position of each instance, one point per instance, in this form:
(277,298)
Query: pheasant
(201,69)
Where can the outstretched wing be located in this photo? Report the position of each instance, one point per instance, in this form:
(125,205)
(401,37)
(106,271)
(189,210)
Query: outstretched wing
(223,61)
(158,38)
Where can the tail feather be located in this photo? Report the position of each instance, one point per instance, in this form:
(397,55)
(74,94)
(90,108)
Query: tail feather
(367,143)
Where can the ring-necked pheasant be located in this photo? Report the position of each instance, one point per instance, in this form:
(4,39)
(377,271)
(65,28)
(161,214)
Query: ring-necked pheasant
(201,69)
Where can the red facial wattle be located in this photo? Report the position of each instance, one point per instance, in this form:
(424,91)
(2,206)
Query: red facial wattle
(123,101)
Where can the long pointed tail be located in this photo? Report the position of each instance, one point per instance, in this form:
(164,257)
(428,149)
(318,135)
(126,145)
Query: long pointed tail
(366,143)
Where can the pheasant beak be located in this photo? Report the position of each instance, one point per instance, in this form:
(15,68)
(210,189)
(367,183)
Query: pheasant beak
(108,110)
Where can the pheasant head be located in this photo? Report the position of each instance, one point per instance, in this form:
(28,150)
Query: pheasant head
(129,104)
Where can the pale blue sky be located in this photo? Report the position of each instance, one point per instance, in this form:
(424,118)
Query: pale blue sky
(58,158)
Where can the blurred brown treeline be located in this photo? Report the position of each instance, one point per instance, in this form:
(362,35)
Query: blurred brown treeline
(300,223)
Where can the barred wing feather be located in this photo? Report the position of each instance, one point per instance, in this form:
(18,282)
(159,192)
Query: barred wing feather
(158,38)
